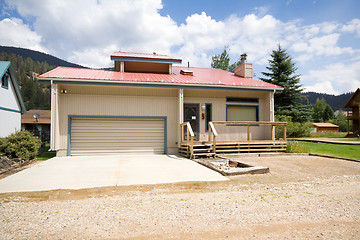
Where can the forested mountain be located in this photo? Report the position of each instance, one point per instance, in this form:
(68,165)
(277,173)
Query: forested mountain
(28,65)
(37,56)
(335,102)
(35,95)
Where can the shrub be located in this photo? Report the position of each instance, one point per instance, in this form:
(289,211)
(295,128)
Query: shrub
(295,147)
(20,145)
(293,129)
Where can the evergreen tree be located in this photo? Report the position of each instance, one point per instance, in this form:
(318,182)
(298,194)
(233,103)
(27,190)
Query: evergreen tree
(322,112)
(221,61)
(35,95)
(328,113)
(282,73)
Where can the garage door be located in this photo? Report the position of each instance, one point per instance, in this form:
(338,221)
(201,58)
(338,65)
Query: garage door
(91,136)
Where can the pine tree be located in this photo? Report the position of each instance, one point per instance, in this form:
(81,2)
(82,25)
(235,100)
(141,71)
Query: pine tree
(221,61)
(282,73)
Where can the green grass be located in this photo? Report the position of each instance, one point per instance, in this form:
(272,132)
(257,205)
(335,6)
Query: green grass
(336,150)
(45,156)
(350,139)
(44,153)
(328,135)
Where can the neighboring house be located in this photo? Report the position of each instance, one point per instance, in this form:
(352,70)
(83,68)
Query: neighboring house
(140,105)
(11,103)
(37,122)
(325,127)
(354,104)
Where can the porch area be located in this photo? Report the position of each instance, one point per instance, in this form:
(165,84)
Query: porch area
(226,137)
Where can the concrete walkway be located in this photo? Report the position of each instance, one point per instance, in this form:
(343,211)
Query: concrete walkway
(102,171)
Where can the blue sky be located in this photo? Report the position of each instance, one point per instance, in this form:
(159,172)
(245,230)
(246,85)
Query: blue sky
(322,36)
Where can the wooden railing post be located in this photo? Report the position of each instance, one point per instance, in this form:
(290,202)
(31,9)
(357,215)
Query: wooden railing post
(192,147)
(209,132)
(182,133)
(272,133)
(285,132)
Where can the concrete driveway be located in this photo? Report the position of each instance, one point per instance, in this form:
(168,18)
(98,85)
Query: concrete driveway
(102,171)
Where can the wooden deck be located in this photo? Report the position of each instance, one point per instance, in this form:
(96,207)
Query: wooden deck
(206,149)
(194,149)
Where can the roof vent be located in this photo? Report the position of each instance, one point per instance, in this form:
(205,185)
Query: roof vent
(186,72)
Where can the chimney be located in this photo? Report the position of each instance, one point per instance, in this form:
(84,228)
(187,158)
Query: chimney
(245,69)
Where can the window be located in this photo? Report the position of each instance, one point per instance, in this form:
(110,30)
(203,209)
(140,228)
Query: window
(5,81)
(208,115)
(242,113)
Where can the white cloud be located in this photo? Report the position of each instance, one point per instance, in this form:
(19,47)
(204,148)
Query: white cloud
(353,27)
(74,28)
(87,32)
(15,33)
(333,79)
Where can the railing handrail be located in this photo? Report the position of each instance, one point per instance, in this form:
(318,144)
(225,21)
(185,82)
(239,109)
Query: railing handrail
(211,124)
(249,123)
(190,141)
(190,129)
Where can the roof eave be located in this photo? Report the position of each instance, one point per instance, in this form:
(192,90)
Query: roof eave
(16,88)
(348,102)
(87,81)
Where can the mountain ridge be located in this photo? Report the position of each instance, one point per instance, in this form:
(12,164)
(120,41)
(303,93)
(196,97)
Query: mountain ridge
(38,56)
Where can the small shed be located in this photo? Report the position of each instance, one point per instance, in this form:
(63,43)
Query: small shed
(325,127)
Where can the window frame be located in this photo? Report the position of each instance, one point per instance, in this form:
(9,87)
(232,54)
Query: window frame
(243,105)
(5,80)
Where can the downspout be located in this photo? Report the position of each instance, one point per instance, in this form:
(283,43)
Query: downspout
(181,112)
(53,115)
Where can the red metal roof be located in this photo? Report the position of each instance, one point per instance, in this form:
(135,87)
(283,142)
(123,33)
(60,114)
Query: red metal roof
(201,76)
(143,56)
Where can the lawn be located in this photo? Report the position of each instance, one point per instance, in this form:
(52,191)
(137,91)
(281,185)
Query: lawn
(336,150)
(45,156)
(44,153)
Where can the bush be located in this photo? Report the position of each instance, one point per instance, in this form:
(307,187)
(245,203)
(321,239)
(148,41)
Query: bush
(293,129)
(295,147)
(20,145)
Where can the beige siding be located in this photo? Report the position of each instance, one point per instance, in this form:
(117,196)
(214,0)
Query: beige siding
(122,101)
(116,135)
(161,102)
(218,101)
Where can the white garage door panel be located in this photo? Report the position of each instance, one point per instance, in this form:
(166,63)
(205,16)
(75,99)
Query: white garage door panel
(91,136)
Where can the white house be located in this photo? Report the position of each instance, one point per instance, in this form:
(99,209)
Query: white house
(11,103)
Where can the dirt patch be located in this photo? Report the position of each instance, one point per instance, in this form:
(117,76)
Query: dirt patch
(11,166)
(303,197)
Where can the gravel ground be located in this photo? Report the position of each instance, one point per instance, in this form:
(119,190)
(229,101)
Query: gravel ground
(301,198)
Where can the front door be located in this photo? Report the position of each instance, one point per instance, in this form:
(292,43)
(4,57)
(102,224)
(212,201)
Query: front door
(191,114)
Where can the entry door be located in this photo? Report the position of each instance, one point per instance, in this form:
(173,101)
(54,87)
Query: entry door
(191,114)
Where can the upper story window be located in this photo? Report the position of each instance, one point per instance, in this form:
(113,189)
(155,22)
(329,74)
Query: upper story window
(5,80)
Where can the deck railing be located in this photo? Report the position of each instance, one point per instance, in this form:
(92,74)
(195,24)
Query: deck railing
(189,137)
(213,132)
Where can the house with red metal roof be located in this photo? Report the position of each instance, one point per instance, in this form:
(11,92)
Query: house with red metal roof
(147,104)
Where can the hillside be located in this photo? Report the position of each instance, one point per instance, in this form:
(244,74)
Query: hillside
(38,56)
(335,102)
